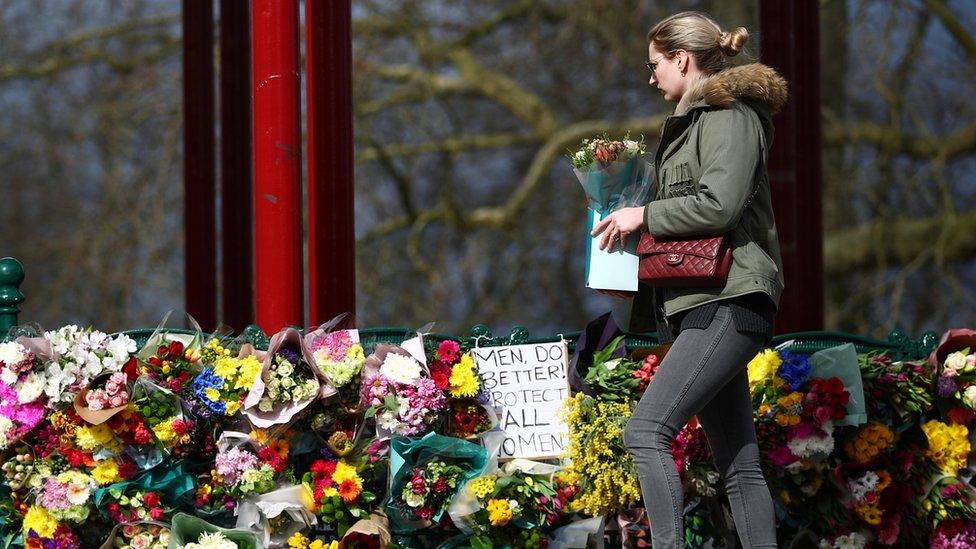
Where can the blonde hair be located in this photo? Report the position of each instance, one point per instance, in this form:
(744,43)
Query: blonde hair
(700,36)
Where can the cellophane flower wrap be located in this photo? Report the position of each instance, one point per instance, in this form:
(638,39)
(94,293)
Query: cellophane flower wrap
(139,535)
(22,387)
(613,173)
(79,356)
(188,530)
(426,473)
(517,505)
(398,392)
(288,383)
(340,357)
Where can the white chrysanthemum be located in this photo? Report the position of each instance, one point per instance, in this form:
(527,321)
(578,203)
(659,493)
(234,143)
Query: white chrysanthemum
(212,540)
(387,420)
(12,353)
(8,376)
(31,389)
(810,446)
(400,369)
(6,426)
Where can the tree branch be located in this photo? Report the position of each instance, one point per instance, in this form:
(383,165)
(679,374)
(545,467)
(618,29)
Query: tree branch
(900,241)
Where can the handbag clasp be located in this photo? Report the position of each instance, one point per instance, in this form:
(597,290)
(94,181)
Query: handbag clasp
(674,259)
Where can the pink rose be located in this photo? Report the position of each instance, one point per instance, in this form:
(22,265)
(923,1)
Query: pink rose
(124,395)
(94,402)
(111,387)
(116,401)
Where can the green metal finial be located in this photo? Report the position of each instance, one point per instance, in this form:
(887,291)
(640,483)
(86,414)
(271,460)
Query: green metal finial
(11,276)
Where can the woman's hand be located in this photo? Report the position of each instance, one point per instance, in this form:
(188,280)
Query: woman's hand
(618,225)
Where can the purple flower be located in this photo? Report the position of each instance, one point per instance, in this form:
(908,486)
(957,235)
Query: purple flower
(946,386)
(288,354)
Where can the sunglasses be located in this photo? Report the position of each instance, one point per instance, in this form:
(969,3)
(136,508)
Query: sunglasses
(652,65)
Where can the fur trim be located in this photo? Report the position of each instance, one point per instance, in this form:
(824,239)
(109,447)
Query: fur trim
(753,81)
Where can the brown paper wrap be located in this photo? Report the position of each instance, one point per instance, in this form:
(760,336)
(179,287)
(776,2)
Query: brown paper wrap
(97,417)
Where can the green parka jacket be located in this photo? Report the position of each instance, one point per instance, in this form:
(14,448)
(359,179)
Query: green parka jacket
(710,160)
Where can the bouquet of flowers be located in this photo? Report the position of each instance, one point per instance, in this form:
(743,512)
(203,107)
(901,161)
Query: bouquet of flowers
(244,472)
(173,364)
(225,380)
(66,496)
(22,384)
(601,462)
(106,396)
(612,379)
(133,505)
(340,358)
(430,488)
(454,371)
(191,532)
(403,400)
(288,383)
(79,356)
(469,419)
(904,386)
(515,507)
(609,172)
(140,535)
(41,529)
(427,473)
(337,493)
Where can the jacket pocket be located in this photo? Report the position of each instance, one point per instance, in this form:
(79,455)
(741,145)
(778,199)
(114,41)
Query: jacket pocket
(679,181)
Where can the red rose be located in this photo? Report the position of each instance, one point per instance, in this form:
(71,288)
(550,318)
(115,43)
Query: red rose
(151,499)
(156,513)
(114,508)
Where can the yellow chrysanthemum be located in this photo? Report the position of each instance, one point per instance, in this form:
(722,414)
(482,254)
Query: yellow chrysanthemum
(164,431)
(233,407)
(85,439)
(105,472)
(247,371)
(463,381)
(40,521)
(482,486)
(499,513)
(763,366)
(355,352)
(212,394)
(226,367)
(948,445)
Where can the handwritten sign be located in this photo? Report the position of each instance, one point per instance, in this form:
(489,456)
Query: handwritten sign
(527,383)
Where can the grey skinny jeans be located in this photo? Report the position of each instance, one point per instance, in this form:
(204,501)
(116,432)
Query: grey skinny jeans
(703,374)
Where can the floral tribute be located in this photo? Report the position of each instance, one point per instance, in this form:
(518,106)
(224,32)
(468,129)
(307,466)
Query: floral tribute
(104,442)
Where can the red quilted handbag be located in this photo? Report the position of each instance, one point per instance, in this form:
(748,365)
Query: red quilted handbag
(684,263)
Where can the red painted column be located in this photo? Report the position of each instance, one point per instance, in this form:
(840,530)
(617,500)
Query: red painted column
(199,231)
(235,165)
(331,243)
(277,164)
(790,42)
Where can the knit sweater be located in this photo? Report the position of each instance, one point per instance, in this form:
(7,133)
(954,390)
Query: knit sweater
(751,313)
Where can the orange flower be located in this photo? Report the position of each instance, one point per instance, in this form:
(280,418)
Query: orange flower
(349,490)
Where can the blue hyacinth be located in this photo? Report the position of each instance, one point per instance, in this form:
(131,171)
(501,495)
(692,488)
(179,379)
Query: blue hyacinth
(794,370)
(207,379)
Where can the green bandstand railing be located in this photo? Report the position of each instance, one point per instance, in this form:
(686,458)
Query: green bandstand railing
(899,345)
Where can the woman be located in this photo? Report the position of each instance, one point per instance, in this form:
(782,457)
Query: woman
(711,175)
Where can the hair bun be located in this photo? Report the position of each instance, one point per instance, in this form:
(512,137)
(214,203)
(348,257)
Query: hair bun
(732,42)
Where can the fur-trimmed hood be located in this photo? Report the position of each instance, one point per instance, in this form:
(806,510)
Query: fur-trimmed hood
(754,83)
